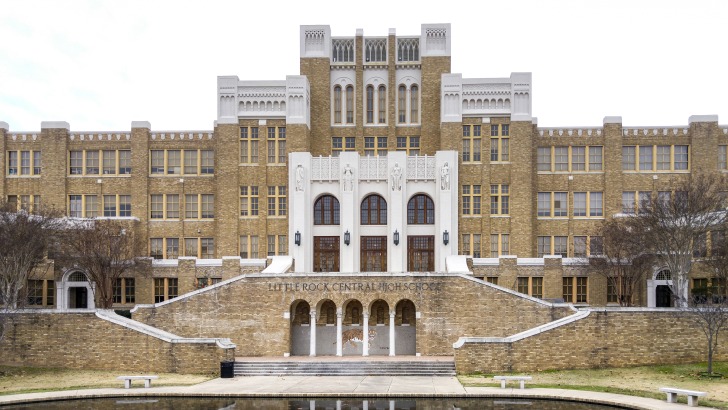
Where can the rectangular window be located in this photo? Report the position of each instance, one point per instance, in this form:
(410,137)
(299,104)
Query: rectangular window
(124,162)
(248,201)
(663,157)
(24,162)
(560,205)
(341,144)
(580,203)
(470,245)
(596,160)
(277,200)
(722,157)
(560,246)
(207,248)
(109,162)
(165,289)
(172,248)
(375,146)
(156,248)
(190,161)
(12,163)
(645,152)
(499,143)
(91,206)
(544,246)
(575,289)
(248,145)
(471,143)
(124,290)
(500,199)
(561,159)
(75,206)
(276,145)
(578,158)
(156,206)
(92,162)
(191,247)
(156,159)
(124,205)
(580,247)
(629,155)
(530,285)
(471,200)
(192,206)
(411,145)
(110,206)
(681,157)
(499,244)
(207,162)
(35,292)
(171,206)
(174,162)
(249,247)
(492,279)
(588,204)
(277,245)
(543,159)
(628,202)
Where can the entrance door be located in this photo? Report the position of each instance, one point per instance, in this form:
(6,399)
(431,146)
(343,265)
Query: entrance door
(373,254)
(78,298)
(326,254)
(420,253)
(663,296)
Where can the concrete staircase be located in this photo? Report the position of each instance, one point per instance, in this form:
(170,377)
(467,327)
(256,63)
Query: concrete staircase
(344,368)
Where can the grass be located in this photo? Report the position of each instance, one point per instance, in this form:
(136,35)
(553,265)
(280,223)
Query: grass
(643,381)
(14,380)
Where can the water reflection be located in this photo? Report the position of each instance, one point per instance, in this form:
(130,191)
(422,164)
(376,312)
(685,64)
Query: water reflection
(169,403)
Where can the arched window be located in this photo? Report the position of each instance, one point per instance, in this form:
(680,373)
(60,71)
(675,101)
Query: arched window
(337,104)
(420,210)
(401,104)
(77,277)
(373,210)
(382,94)
(349,104)
(414,104)
(326,211)
(370,104)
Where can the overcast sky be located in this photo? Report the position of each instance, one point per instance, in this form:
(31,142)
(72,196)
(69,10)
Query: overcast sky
(101,64)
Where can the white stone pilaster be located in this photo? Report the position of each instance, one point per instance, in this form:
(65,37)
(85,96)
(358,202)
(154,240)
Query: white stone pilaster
(349,162)
(339,349)
(391,333)
(313,334)
(396,202)
(365,336)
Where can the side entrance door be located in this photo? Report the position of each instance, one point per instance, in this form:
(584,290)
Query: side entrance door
(326,254)
(420,253)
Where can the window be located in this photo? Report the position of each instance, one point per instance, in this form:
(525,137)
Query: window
(374,210)
(409,144)
(420,210)
(183,162)
(370,104)
(349,104)
(588,245)
(723,157)
(337,104)
(470,245)
(203,248)
(276,145)
(248,145)
(651,158)
(552,245)
(588,204)
(552,204)
(277,200)
(117,206)
(165,248)
(165,289)
(248,201)
(172,249)
(575,289)
(382,94)
(28,203)
(35,292)
(92,162)
(375,146)
(471,143)
(124,290)
(471,199)
(199,206)
(414,104)
(499,142)
(326,211)
(124,162)
(249,247)
(492,279)
(499,244)
(277,245)
(25,163)
(164,206)
(500,199)
(530,285)
(401,104)
(83,206)
(637,201)
(570,159)
(341,144)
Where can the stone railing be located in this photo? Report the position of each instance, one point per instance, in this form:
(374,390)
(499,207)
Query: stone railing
(570,131)
(674,131)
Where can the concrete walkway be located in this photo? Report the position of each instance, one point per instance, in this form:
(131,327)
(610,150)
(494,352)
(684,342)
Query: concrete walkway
(345,386)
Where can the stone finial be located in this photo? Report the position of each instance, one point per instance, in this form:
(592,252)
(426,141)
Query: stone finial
(392,31)
(613,120)
(55,124)
(359,32)
(4,126)
(703,118)
(141,124)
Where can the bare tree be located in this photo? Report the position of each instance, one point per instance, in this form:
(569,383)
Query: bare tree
(672,228)
(710,314)
(105,250)
(623,262)
(24,240)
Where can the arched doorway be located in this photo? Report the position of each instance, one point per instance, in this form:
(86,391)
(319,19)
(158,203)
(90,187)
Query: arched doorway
(405,336)
(378,328)
(658,289)
(75,291)
(325,328)
(352,334)
(300,328)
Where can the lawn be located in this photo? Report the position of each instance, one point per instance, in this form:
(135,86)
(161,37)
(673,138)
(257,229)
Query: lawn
(32,379)
(638,381)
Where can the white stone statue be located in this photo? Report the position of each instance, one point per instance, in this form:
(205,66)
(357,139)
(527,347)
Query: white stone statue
(396,177)
(445,177)
(299,177)
(348,178)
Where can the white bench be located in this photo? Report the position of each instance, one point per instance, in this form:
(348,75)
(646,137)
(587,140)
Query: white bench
(128,379)
(504,379)
(672,394)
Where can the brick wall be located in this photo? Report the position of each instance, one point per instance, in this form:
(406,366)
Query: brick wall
(606,338)
(84,341)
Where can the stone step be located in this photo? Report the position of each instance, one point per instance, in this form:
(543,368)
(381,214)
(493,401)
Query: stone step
(345,368)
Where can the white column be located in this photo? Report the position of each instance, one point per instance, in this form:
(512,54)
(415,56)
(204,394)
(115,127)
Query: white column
(313,333)
(365,336)
(338,404)
(391,333)
(365,405)
(339,350)
(312,405)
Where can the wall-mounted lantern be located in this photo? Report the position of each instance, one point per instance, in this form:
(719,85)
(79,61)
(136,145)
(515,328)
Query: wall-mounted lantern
(297,238)
(446,237)
(347,238)
(396,237)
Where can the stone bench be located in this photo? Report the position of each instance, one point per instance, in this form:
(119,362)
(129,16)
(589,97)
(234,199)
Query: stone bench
(672,394)
(128,379)
(504,379)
